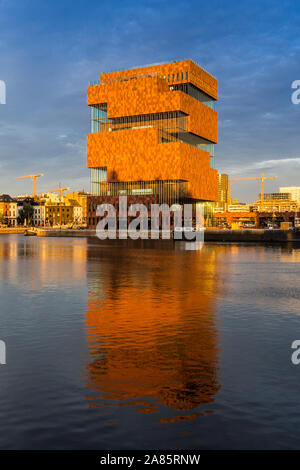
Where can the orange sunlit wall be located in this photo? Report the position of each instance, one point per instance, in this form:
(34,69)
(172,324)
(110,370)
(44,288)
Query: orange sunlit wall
(137,154)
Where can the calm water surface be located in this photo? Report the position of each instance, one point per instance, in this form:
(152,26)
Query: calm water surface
(122,347)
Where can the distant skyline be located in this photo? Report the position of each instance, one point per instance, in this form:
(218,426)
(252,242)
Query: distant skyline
(49,51)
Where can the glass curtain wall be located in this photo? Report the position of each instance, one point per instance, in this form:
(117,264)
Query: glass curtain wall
(98,115)
(194,92)
(97,175)
(167,191)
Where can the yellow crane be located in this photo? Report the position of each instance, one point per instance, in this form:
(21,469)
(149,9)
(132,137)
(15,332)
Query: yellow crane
(34,178)
(61,191)
(262,178)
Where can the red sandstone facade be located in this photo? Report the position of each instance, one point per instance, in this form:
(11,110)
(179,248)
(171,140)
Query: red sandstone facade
(151,124)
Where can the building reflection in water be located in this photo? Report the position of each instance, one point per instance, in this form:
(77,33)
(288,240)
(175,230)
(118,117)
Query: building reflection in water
(289,253)
(52,261)
(151,329)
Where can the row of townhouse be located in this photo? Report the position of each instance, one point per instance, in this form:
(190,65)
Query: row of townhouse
(47,210)
(8,210)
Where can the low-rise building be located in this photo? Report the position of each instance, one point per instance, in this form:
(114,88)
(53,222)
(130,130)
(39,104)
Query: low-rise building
(13,213)
(239,207)
(49,197)
(67,212)
(8,210)
(39,215)
(36,218)
(77,211)
(275,205)
(294,191)
(57,214)
(237,219)
(276,196)
(81,197)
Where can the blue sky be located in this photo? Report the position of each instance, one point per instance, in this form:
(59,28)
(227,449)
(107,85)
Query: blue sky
(50,50)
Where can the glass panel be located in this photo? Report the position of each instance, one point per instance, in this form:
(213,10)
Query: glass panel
(97,175)
(98,115)
(193,91)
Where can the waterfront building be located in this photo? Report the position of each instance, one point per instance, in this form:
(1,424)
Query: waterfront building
(38,211)
(276,196)
(77,211)
(81,197)
(67,212)
(13,213)
(240,207)
(223,193)
(5,208)
(238,215)
(294,191)
(235,219)
(153,133)
(38,214)
(57,214)
(275,205)
(49,197)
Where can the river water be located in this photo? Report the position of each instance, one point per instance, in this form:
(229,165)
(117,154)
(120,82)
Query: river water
(118,345)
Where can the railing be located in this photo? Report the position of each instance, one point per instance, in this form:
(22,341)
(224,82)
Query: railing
(106,81)
(95,82)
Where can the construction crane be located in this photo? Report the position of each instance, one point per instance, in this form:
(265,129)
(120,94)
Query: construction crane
(34,178)
(262,178)
(61,190)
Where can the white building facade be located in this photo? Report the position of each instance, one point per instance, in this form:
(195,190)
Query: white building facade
(294,191)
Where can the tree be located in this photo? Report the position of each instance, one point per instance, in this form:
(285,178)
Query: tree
(26,214)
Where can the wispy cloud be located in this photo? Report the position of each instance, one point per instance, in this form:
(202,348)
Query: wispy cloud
(287,163)
(48,57)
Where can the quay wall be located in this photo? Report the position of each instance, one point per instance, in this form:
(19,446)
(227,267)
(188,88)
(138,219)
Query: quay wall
(4,231)
(210,235)
(44,232)
(254,235)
